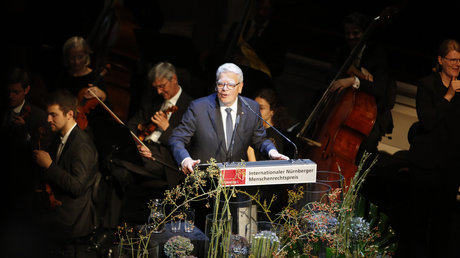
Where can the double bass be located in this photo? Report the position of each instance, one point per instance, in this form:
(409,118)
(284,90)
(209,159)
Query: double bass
(341,121)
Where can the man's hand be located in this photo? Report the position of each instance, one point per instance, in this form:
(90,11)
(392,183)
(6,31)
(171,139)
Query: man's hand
(274,154)
(19,121)
(188,164)
(161,120)
(42,158)
(367,75)
(144,151)
(342,84)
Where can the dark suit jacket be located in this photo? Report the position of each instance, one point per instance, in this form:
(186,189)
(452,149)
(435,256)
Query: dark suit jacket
(22,174)
(72,178)
(34,118)
(142,116)
(200,134)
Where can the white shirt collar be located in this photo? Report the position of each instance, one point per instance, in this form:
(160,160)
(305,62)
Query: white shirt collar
(66,136)
(234,106)
(174,99)
(17,109)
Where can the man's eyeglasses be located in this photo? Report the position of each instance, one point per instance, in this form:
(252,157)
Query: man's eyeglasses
(230,86)
(452,60)
(160,86)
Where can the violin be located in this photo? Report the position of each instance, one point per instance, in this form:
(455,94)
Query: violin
(52,201)
(85,106)
(145,130)
(26,112)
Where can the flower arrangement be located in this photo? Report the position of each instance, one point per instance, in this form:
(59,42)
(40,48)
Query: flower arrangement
(134,244)
(177,247)
(239,246)
(338,226)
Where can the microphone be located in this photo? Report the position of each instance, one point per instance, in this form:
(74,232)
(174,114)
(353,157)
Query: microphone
(232,141)
(287,139)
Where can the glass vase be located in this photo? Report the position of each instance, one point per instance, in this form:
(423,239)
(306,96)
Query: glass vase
(241,211)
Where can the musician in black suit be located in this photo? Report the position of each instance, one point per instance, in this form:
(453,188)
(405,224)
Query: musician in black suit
(71,170)
(163,109)
(372,63)
(23,127)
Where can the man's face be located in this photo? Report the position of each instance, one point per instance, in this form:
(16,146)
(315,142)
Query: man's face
(166,88)
(353,34)
(57,119)
(16,94)
(225,94)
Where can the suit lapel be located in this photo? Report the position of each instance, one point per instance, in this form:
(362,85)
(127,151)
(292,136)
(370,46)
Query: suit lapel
(68,142)
(182,106)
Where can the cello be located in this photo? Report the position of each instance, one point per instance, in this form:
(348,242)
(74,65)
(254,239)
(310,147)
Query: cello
(341,121)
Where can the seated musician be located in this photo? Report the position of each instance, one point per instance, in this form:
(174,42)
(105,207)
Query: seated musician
(23,128)
(80,78)
(157,116)
(206,129)
(272,111)
(372,64)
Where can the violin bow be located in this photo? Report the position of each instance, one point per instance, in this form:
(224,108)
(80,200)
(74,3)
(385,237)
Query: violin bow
(133,134)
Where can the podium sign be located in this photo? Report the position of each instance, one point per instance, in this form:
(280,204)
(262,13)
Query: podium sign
(269,172)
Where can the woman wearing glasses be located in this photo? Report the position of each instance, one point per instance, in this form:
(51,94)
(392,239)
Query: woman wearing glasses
(434,154)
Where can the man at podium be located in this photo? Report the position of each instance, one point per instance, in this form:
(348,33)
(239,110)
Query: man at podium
(221,125)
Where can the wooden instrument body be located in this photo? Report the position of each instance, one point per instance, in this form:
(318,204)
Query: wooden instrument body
(342,131)
(336,129)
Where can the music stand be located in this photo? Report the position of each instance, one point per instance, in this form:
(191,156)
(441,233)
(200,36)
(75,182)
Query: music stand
(115,139)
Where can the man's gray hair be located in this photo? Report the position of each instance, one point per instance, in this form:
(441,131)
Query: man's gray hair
(162,70)
(232,68)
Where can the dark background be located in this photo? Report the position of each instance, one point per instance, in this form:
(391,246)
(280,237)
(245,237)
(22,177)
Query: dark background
(312,27)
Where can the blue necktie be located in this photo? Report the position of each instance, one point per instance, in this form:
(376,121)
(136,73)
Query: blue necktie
(229,126)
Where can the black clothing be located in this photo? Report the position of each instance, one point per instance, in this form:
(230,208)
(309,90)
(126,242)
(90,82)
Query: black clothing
(75,84)
(434,172)
(276,138)
(160,150)
(22,175)
(72,179)
(436,137)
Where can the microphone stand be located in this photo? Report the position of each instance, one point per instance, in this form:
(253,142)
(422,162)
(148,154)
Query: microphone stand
(287,139)
(232,142)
